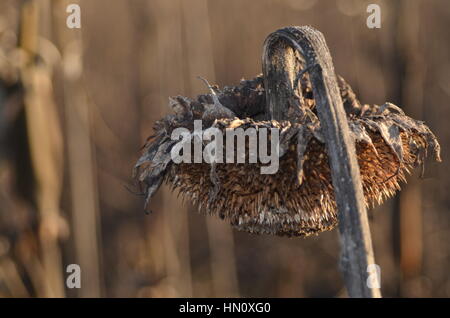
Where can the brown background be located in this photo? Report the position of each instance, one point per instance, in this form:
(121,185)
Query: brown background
(76,106)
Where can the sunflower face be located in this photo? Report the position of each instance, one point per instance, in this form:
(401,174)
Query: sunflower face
(297,200)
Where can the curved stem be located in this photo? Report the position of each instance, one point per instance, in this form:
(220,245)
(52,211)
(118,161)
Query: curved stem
(281,65)
(280,75)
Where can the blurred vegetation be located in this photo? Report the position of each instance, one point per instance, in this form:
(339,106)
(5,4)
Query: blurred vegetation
(76,105)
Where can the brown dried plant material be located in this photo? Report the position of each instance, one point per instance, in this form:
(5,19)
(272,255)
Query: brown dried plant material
(299,199)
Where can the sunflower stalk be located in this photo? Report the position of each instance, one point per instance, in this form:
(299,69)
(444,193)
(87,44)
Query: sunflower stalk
(283,99)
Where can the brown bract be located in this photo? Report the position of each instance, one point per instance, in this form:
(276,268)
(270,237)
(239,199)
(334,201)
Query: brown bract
(298,200)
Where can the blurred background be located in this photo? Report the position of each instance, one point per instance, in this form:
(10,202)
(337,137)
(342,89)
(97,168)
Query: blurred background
(76,105)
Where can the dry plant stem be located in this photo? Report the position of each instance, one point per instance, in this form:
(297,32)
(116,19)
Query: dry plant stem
(356,243)
(82,165)
(220,238)
(46,152)
(168,55)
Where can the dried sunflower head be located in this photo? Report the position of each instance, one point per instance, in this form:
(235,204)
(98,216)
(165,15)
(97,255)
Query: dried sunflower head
(298,200)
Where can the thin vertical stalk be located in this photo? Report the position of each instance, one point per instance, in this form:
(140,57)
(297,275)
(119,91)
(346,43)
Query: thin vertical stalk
(46,148)
(175,221)
(82,171)
(220,237)
(410,199)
